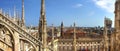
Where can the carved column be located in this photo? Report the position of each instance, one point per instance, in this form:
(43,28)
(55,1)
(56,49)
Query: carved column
(92,46)
(81,45)
(85,46)
(16,42)
(89,46)
(96,46)
(53,38)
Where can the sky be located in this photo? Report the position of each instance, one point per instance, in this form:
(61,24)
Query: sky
(85,13)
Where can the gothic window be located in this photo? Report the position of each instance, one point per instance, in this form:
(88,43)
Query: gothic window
(26,46)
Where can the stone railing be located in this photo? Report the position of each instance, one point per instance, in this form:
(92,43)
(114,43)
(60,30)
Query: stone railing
(17,28)
(82,40)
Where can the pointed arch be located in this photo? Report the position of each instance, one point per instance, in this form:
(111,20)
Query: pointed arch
(29,42)
(11,33)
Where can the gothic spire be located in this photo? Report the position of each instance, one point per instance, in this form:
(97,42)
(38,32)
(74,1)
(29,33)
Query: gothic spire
(14,12)
(42,26)
(52,32)
(14,16)
(43,16)
(105,34)
(74,38)
(42,21)
(52,37)
(23,16)
(62,34)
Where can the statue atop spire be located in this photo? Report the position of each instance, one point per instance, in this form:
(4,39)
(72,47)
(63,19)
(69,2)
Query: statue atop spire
(106,21)
(23,16)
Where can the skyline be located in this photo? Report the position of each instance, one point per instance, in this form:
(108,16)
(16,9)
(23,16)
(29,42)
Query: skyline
(85,13)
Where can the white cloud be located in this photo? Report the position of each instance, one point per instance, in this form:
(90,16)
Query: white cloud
(108,5)
(77,5)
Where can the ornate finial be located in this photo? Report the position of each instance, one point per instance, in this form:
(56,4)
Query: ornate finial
(15,15)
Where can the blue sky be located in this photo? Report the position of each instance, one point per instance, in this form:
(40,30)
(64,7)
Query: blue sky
(84,12)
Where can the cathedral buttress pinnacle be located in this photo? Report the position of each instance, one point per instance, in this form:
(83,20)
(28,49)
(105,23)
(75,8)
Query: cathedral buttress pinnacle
(42,26)
(23,16)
